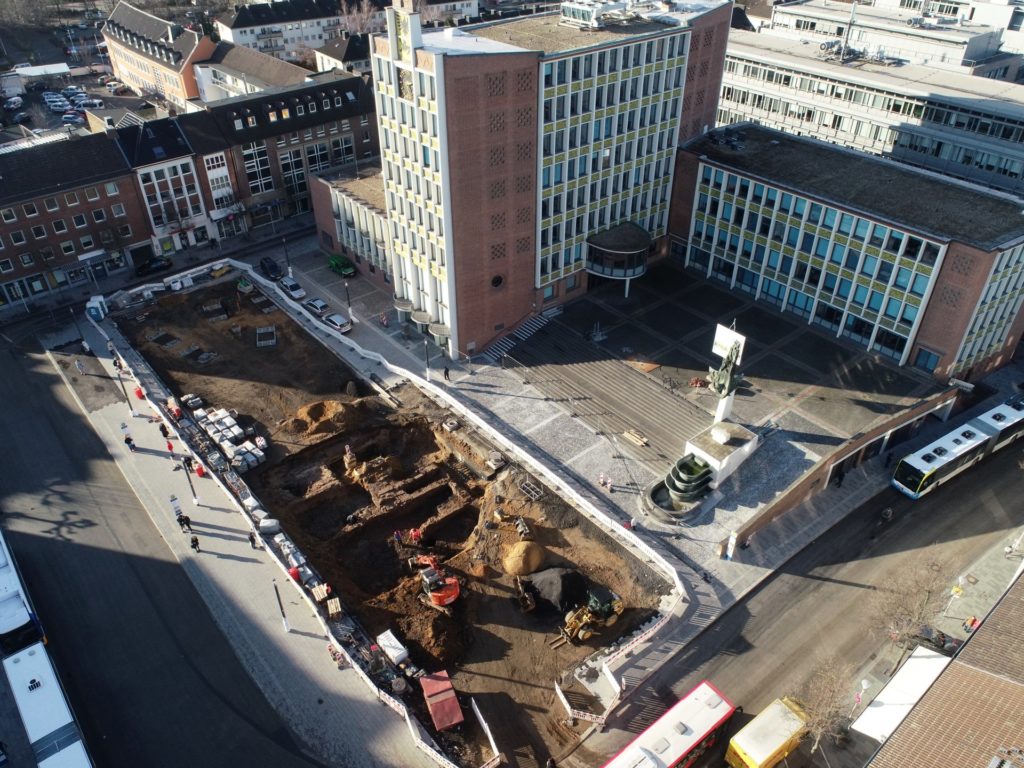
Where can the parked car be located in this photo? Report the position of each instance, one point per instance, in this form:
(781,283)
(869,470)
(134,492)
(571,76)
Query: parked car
(58,107)
(22,117)
(91,103)
(71,90)
(316,307)
(21,65)
(51,96)
(72,120)
(113,85)
(13,103)
(338,322)
(933,639)
(154,265)
(341,265)
(292,288)
(270,268)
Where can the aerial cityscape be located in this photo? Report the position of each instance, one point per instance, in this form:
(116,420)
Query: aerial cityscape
(477,383)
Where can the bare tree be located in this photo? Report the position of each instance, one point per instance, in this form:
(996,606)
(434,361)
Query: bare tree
(825,698)
(361,17)
(909,599)
(428,13)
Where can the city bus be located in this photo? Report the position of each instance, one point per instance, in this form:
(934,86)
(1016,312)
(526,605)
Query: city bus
(682,735)
(18,625)
(925,470)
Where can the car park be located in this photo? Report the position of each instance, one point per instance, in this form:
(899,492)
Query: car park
(270,268)
(71,90)
(292,288)
(338,322)
(59,108)
(316,307)
(154,265)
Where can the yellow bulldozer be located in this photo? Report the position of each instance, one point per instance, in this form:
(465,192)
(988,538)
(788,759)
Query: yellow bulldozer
(601,609)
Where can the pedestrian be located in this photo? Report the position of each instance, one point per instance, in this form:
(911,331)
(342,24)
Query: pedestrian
(117,364)
(85,347)
(447,374)
(163,431)
(195,543)
(970,623)
(186,462)
(839,477)
(130,443)
(170,449)
(110,346)
(397,536)
(181,520)
(186,522)
(706,576)
(80,367)
(252,539)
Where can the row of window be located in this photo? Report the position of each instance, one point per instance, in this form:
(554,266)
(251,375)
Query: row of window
(52,204)
(68,248)
(18,237)
(579,103)
(579,67)
(285,113)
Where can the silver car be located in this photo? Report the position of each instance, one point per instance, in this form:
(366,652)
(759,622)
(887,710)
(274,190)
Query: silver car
(338,322)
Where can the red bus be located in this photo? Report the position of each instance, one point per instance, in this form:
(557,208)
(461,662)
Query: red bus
(682,735)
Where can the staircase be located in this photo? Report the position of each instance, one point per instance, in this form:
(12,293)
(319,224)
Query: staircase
(505,344)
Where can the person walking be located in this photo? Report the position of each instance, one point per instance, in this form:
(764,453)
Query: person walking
(195,543)
(164,432)
(130,443)
(181,521)
(252,539)
(170,449)
(110,346)
(447,374)
(80,367)
(186,523)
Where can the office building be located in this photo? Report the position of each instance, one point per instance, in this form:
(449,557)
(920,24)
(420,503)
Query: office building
(520,156)
(895,36)
(965,127)
(926,271)
(153,56)
(234,70)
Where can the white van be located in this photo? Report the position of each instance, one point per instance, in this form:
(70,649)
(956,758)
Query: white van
(91,104)
(13,103)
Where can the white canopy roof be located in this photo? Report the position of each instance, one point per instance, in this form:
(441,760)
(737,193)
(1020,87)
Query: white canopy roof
(894,702)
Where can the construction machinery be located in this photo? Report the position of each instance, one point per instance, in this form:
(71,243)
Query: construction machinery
(601,609)
(439,589)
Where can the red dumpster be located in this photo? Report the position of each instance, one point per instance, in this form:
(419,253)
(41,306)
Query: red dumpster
(200,471)
(138,393)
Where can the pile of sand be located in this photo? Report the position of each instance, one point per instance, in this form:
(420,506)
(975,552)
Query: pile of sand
(522,558)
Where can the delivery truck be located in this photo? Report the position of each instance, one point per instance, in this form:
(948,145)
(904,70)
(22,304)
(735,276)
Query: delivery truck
(767,739)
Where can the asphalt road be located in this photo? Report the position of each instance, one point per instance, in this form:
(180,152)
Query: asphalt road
(767,645)
(150,676)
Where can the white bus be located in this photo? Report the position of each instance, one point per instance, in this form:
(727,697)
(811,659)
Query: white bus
(951,454)
(18,625)
(43,707)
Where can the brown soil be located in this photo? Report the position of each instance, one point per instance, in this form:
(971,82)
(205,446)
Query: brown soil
(345,472)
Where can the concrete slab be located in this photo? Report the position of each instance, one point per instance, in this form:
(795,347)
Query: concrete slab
(631,339)
(582,315)
(670,319)
(765,323)
(711,301)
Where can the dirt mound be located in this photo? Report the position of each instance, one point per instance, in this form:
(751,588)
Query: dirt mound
(522,558)
(295,426)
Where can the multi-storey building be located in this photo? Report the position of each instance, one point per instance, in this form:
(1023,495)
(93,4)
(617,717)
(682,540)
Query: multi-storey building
(291,29)
(890,35)
(257,153)
(966,127)
(521,155)
(1007,15)
(234,70)
(151,55)
(924,270)
(350,53)
(349,204)
(69,214)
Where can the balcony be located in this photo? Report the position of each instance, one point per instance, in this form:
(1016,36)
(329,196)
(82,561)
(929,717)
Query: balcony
(266,34)
(619,253)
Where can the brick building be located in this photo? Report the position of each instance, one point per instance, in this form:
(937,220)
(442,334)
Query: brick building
(69,213)
(921,269)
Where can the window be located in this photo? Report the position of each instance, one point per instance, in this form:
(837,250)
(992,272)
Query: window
(68,247)
(71,198)
(124,230)
(6,266)
(926,360)
(91,194)
(87,242)
(30,209)
(18,237)
(59,227)
(79,220)
(111,188)
(27,259)
(99,215)
(8,215)
(117,209)
(51,204)
(38,232)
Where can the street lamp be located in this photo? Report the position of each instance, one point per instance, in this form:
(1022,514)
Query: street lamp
(185,465)
(287,259)
(124,390)
(426,356)
(348,299)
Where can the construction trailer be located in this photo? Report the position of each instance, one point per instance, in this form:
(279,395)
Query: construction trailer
(441,700)
(770,737)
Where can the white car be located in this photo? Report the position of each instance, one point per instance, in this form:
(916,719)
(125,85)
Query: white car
(72,120)
(59,107)
(316,307)
(338,322)
(292,288)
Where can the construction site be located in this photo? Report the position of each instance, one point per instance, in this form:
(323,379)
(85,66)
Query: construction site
(416,522)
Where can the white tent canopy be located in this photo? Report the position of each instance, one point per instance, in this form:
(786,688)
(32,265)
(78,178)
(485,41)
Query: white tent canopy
(894,702)
(44,70)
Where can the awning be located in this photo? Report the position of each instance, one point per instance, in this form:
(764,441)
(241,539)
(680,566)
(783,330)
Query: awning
(92,254)
(441,700)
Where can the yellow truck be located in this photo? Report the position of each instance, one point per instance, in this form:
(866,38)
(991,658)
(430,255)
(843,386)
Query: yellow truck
(767,739)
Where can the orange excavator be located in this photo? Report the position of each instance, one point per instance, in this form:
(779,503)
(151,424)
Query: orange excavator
(439,589)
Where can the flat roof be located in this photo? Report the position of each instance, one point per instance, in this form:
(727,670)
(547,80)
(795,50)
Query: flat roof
(982,94)
(883,17)
(889,708)
(543,32)
(919,200)
(365,184)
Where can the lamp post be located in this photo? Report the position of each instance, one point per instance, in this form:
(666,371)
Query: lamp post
(124,390)
(348,299)
(287,259)
(426,356)
(75,321)
(185,464)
